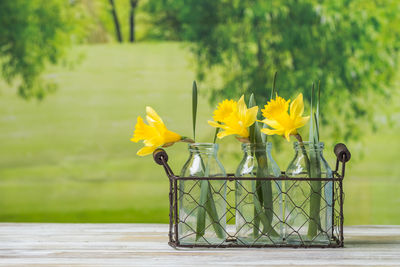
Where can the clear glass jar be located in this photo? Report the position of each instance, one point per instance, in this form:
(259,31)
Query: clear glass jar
(308,204)
(202,203)
(258,202)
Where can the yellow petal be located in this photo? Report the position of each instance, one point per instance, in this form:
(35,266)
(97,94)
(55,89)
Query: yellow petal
(297,107)
(287,135)
(242,108)
(272,123)
(171,137)
(251,116)
(300,122)
(214,124)
(153,119)
(223,134)
(244,133)
(272,132)
(146,150)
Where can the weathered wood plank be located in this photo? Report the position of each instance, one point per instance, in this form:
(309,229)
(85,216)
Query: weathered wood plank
(24,244)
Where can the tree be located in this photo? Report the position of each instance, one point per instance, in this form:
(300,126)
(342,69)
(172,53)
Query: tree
(32,34)
(351,46)
(166,19)
(116,21)
(132,20)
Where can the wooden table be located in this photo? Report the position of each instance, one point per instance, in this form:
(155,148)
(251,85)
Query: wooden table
(44,244)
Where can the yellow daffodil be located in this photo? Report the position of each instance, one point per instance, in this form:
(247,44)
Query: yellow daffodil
(234,118)
(277,116)
(153,135)
(224,109)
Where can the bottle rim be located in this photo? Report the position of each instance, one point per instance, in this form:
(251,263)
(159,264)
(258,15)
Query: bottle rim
(202,147)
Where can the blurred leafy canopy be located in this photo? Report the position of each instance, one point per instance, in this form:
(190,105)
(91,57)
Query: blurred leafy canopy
(350,46)
(32,34)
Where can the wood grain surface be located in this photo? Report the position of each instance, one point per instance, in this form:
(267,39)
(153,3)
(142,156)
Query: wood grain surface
(43,244)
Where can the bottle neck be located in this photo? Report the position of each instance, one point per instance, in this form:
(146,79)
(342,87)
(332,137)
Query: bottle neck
(257,147)
(203,148)
(308,146)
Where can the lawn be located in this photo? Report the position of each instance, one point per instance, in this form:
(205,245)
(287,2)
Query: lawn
(69,158)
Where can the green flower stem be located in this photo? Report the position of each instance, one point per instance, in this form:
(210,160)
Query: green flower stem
(201,212)
(263,197)
(315,194)
(212,212)
(268,229)
(263,209)
(258,197)
(314,171)
(207,204)
(304,152)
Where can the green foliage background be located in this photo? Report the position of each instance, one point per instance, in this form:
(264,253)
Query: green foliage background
(31,36)
(352,47)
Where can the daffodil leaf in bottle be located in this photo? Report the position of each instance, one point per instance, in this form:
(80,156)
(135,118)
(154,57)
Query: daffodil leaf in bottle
(206,201)
(315,170)
(273,93)
(263,209)
(194,108)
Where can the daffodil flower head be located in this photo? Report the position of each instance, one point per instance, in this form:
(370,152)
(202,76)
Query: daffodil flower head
(154,135)
(234,118)
(224,109)
(277,116)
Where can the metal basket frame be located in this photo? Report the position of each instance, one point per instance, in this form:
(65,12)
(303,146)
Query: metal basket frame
(342,156)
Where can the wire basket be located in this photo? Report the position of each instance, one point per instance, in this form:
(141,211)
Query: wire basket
(333,208)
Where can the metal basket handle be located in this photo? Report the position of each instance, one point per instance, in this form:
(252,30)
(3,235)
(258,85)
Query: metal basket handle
(161,158)
(343,155)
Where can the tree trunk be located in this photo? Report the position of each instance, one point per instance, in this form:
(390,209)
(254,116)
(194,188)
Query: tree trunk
(116,21)
(132,21)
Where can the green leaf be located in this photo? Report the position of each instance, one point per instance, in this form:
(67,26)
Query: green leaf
(215,135)
(194,108)
(273,91)
(317,112)
(207,206)
(315,170)
(252,129)
(311,133)
(268,229)
(316,137)
(213,214)
(201,210)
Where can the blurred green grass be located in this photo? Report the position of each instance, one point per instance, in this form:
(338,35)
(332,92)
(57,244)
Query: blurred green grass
(69,158)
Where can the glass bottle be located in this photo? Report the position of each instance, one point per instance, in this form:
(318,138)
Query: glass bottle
(308,204)
(258,202)
(202,203)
